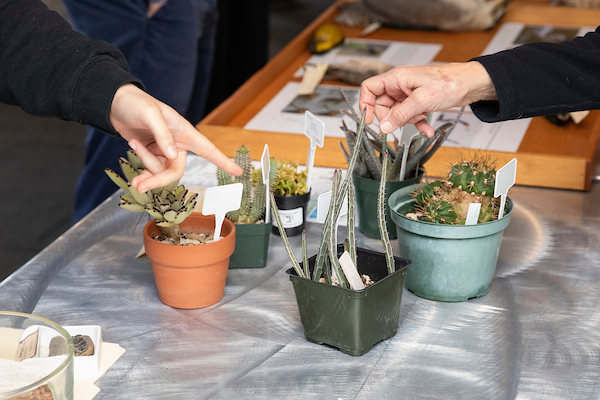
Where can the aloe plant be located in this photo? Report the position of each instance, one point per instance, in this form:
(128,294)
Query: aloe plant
(326,263)
(170,205)
(373,146)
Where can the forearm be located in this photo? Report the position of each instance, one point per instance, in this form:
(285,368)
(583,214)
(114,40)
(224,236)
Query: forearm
(50,70)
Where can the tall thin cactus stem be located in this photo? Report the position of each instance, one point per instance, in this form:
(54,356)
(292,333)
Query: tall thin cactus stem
(350,223)
(284,237)
(385,239)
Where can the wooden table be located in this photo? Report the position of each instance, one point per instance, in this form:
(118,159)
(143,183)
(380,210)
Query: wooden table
(549,156)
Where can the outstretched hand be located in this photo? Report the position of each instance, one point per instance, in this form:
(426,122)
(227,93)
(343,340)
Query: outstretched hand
(404,95)
(161,137)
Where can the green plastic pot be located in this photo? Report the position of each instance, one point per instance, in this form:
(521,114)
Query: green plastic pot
(352,320)
(366,200)
(449,262)
(251,245)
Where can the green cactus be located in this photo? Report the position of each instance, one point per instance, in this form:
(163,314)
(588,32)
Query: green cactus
(473,177)
(440,212)
(428,191)
(170,205)
(254,194)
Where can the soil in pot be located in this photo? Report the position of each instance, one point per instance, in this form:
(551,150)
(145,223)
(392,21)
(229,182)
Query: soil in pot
(366,200)
(450,262)
(251,245)
(191,276)
(292,210)
(352,320)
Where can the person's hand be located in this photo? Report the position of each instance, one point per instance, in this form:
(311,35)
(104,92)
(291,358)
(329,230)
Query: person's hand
(404,95)
(161,137)
(153,8)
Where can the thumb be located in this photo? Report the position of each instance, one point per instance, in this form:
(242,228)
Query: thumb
(155,121)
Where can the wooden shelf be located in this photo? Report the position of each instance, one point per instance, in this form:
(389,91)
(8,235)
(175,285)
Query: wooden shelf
(549,156)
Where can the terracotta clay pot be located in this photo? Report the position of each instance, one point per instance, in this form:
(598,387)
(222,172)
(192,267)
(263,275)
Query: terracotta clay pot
(191,276)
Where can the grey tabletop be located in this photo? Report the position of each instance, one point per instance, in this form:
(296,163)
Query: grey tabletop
(534,336)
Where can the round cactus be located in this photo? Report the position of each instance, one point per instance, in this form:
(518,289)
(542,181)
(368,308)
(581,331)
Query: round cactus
(427,192)
(440,212)
(473,177)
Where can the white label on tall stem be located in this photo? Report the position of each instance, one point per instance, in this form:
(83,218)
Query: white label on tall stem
(314,129)
(219,200)
(323,206)
(265,160)
(505,179)
(473,214)
(405,138)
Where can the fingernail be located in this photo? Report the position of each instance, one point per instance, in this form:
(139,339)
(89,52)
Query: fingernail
(132,145)
(171,152)
(386,127)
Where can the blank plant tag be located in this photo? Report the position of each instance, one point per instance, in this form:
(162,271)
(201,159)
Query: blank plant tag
(473,214)
(265,161)
(323,206)
(314,129)
(351,272)
(505,179)
(313,75)
(405,138)
(219,200)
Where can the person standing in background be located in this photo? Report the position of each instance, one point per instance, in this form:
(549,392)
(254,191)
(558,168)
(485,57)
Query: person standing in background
(169,46)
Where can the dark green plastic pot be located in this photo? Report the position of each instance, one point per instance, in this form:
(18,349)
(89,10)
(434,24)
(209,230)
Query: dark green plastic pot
(251,245)
(449,262)
(366,200)
(292,210)
(352,320)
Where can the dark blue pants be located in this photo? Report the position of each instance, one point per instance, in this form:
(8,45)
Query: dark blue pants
(172,53)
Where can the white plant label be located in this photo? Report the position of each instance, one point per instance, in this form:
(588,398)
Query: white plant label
(323,206)
(265,161)
(291,218)
(219,200)
(505,179)
(473,214)
(405,137)
(351,272)
(314,129)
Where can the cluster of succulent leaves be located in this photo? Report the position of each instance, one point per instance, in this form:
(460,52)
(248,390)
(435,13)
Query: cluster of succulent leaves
(289,181)
(373,146)
(326,261)
(447,202)
(170,205)
(254,194)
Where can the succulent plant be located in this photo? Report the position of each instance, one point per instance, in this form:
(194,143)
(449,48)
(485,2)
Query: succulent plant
(447,202)
(373,146)
(326,262)
(289,181)
(254,194)
(170,205)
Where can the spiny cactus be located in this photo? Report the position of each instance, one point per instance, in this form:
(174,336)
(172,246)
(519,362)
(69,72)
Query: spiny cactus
(254,194)
(447,202)
(370,160)
(170,205)
(326,262)
(289,181)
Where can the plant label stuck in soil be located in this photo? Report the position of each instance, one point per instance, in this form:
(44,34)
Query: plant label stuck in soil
(265,161)
(314,129)
(219,200)
(405,138)
(351,272)
(505,179)
(473,214)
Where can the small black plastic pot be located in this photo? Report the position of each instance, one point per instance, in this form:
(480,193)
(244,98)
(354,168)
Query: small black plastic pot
(292,210)
(352,320)
(251,245)
(366,200)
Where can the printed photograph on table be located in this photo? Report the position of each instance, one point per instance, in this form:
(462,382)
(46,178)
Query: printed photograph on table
(362,49)
(326,101)
(545,33)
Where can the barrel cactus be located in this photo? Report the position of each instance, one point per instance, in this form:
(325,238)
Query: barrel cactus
(447,202)
(170,205)
(254,195)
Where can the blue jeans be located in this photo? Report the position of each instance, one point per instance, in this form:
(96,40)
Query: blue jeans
(172,53)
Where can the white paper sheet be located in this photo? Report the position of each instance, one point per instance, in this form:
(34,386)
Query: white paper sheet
(513,34)
(471,133)
(394,53)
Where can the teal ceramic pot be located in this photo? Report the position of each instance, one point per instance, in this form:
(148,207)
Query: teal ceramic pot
(352,321)
(449,262)
(251,245)
(366,200)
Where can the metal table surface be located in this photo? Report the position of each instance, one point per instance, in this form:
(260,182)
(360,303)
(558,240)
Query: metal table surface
(534,336)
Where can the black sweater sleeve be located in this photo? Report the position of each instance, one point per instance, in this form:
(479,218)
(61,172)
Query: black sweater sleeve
(542,79)
(50,70)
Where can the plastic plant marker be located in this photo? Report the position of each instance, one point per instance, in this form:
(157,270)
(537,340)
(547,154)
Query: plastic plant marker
(219,200)
(505,179)
(265,160)
(313,75)
(314,129)
(351,272)
(404,140)
(473,214)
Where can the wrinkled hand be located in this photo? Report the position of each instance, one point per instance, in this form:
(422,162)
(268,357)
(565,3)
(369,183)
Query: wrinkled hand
(154,7)
(404,95)
(161,137)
